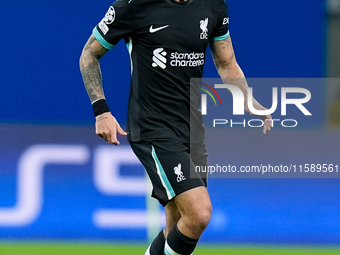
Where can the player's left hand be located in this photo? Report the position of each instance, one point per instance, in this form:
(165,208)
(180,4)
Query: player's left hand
(267,119)
(268,123)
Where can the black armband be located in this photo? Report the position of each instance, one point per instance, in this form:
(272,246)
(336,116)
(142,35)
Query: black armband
(100,107)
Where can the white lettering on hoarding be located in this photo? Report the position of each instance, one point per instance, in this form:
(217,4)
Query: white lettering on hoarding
(30,180)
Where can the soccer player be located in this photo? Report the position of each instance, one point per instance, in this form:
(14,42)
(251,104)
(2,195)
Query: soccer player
(167,42)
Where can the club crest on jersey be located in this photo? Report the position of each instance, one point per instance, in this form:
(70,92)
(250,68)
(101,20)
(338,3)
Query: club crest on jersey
(179,173)
(204,27)
(110,16)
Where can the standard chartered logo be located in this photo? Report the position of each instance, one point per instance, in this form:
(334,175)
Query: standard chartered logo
(192,59)
(159,58)
(177,59)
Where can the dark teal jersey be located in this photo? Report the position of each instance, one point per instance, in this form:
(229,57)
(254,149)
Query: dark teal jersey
(167,43)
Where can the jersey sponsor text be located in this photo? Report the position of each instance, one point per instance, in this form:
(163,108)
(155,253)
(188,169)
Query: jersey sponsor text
(192,59)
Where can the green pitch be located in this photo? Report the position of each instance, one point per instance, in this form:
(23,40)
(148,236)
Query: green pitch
(130,249)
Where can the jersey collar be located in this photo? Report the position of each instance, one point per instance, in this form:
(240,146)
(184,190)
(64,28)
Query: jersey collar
(179,3)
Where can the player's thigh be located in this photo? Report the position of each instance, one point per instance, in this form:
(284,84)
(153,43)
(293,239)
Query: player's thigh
(168,164)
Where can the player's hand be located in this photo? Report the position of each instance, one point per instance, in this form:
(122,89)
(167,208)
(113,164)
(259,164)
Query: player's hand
(268,123)
(267,119)
(107,128)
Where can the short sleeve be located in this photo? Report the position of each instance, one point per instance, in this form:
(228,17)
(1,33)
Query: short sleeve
(221,31)
(116,24)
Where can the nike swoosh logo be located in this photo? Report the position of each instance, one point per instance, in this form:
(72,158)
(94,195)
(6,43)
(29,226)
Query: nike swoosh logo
(153,30)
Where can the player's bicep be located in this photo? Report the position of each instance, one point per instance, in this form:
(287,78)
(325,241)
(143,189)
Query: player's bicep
(93,49)
(223,52)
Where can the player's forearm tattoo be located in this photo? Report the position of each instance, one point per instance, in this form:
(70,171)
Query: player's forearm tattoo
(224,58)
(226,43)
(90,70)
(225,46)
(100,117)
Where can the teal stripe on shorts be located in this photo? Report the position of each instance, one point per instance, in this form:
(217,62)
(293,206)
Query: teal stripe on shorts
(161,173)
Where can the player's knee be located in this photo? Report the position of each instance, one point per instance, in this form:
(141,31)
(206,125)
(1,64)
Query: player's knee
(200,218)
(203,217)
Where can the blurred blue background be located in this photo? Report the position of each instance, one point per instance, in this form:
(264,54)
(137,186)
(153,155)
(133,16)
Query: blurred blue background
(41,50)
(53,184)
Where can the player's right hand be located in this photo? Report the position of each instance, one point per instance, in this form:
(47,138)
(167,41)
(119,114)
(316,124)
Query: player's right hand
(107,128)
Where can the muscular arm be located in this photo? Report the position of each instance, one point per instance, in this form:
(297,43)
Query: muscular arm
(106,125)
(231,73)
(227,66)
(90,68)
